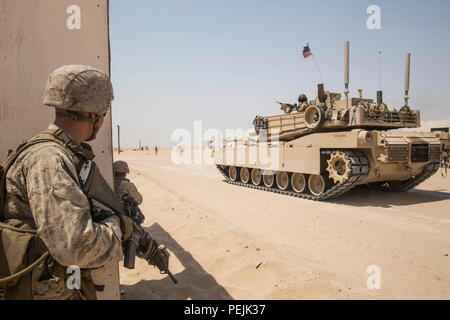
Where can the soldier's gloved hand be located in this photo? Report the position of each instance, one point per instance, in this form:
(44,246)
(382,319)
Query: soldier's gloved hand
(126,225)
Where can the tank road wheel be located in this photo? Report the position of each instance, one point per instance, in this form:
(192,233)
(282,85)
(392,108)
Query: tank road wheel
(314,117)
(298,182)
(282,180)
(232,173)
(339,167)
(245,175)
(268,180)
(256,176)
(316,184)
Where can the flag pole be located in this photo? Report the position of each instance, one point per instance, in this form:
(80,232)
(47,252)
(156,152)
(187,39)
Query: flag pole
(315,62)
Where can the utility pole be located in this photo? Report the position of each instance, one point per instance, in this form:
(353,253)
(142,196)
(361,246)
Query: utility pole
(118,139)
(139,144)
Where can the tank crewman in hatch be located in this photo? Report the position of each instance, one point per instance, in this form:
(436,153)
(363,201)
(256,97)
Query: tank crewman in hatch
(43,194)
(122,185)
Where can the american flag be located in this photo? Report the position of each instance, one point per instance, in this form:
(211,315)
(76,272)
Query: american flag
(306,52)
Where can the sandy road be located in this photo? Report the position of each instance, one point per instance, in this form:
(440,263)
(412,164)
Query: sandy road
(230,242)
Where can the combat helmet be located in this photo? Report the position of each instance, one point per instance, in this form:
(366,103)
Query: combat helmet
(79,88)
(121,167)
(72,89)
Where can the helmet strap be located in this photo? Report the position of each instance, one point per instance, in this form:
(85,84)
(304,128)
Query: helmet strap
(95,129)
(78,117)
(73,115)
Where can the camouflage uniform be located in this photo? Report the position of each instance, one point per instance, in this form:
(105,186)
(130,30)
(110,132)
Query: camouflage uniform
(124,186)
(43,190)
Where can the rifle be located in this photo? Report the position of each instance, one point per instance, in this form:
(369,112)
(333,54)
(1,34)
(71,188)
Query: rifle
(288,104)
(157,254)
(140,242)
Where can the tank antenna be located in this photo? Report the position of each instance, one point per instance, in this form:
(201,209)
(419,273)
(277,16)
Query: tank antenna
(346,71)
(379,70)
(407,68)
(379,92)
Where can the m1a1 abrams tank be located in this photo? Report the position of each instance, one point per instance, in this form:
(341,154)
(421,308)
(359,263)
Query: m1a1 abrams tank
(322,148)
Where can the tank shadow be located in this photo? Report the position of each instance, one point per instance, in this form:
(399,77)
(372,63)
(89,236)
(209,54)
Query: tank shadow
(363,197)
(194,282)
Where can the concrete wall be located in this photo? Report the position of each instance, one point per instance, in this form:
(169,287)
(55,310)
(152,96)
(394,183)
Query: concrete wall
(34,41)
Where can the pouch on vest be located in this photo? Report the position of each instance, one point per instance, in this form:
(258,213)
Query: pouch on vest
(18,250)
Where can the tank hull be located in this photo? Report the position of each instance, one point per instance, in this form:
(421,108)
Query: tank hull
(401,158)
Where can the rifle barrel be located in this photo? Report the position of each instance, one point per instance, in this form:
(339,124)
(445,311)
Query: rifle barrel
(171,276)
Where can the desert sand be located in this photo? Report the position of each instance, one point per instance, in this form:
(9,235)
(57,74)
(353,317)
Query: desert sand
(230,242)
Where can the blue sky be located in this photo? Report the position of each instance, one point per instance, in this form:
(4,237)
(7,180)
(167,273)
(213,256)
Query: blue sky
(225,61)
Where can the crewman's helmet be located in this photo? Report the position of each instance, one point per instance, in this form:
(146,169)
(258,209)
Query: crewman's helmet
(302,98)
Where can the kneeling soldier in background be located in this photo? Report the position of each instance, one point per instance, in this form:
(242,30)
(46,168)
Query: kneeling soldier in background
(122,185)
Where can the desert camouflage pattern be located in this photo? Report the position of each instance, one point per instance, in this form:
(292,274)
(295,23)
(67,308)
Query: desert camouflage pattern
(79,88)
(43,190)
(124,186)
(121,166)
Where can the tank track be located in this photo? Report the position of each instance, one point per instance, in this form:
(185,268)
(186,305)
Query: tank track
(359,165)
(431,169)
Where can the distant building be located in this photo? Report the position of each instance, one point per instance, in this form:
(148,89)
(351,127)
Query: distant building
(432,125)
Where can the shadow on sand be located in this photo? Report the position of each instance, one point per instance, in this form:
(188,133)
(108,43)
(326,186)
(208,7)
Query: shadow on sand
(193,282)
(363,197)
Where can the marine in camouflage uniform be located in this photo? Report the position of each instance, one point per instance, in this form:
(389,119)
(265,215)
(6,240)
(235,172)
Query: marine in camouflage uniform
(122,185)
(43,190)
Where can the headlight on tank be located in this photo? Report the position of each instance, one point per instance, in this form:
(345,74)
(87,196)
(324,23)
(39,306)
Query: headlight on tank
(366,137)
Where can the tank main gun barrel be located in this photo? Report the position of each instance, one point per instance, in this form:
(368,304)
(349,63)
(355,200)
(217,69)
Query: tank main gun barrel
(407,72)
(346,70)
